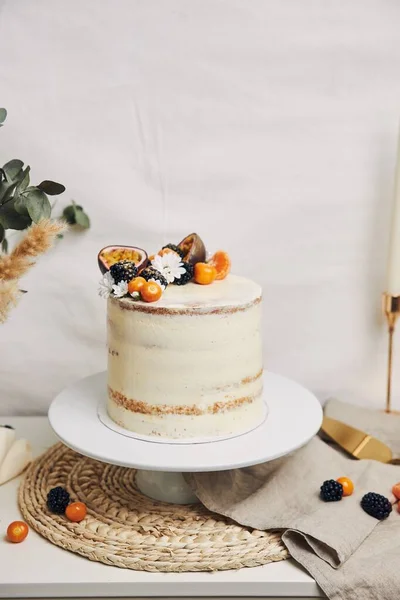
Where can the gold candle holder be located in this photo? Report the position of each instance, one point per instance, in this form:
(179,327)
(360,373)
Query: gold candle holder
(391,309)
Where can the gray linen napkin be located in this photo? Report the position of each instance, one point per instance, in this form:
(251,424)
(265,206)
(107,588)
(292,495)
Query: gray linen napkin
(351,555)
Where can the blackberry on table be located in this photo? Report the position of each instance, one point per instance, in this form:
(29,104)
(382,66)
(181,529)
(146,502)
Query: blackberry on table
(376,505)
(150,273)
(124,270)
(187,276)
(175,249)
(57,500)
(331,491)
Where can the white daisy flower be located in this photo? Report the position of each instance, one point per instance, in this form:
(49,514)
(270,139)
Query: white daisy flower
(106,285)
(120,289)
(169,265)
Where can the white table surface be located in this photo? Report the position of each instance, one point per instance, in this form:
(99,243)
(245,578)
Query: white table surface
(37,569)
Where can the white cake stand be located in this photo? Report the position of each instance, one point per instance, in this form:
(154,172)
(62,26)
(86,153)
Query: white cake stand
(294,417)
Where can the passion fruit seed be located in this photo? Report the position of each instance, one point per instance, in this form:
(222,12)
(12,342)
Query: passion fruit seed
(111,255)
(120,254)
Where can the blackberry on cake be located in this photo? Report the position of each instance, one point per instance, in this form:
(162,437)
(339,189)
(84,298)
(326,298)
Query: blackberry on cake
(331,491)
(376,505)
(124,270)
(57,500)
(151,274)
(187,276)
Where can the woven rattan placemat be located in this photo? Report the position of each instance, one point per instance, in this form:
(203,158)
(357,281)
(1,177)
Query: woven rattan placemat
(126,529)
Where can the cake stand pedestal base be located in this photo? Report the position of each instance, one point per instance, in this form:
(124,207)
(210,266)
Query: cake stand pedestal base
(167,487)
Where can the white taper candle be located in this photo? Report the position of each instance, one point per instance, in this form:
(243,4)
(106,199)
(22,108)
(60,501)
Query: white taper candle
(393,272)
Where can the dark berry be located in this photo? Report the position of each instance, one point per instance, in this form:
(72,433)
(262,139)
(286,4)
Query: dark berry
(7,426)
(57,500)
(187,276)
(152,273)
(376,505)
(124,270)
(175,249)
(331,491)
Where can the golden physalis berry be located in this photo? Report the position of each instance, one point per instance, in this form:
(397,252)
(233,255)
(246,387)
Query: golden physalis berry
(151,291)
(396,490)
(17,532)
(136,284)
(76,511)
(222,263)
(204,273)
(347,485)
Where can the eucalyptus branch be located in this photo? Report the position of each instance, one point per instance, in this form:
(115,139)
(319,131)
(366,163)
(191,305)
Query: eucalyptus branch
(22,204)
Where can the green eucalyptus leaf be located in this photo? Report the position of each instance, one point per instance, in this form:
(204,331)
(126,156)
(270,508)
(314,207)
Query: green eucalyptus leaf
(11,219)
(4,245)
(81,218)
(21,204)
(24,182)
(2,232)
(3,116)
(52,188)
(69,214)
(13,168)
(4,185)
(6,190)
(38,205)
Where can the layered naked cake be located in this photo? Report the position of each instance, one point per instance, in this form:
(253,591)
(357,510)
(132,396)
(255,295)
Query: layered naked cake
(190,364)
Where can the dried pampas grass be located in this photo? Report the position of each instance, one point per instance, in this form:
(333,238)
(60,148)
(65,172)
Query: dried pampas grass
(38,239)
(9,294)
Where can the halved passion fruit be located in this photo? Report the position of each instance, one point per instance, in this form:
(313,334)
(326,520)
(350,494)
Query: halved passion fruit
(110,255)
(193,249)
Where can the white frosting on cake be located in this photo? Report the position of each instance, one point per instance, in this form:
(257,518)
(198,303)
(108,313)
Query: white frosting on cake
(189,365)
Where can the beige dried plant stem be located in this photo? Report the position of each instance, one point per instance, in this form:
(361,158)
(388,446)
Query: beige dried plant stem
(37,240)
(9,294)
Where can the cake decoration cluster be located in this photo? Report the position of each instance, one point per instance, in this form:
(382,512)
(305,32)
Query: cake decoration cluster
(375,505)
(130,272)
(59,503)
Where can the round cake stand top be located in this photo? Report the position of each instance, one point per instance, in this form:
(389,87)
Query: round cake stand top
(294,417)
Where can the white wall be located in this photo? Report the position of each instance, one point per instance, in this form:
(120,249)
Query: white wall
(267,126)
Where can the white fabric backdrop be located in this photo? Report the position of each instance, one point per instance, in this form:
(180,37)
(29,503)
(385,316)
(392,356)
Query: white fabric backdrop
(267,126)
